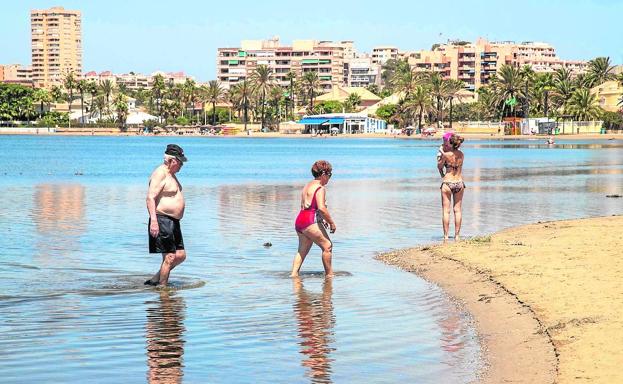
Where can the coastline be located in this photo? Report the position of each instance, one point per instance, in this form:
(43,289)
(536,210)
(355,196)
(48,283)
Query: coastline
(545,297)
(256,135)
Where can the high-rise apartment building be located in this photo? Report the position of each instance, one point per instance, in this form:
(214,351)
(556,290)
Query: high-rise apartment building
(477,63)
(56,45)
(234,65)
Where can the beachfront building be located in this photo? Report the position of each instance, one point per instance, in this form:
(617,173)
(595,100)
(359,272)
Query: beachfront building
(16,74)
(609,95)
(234,65)
(380,55)
(341,94)
(477,63)
(135,81)
(361,71)
(56,45)
(344,123)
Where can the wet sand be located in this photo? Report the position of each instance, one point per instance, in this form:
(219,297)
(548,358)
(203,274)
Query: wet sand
(546,298)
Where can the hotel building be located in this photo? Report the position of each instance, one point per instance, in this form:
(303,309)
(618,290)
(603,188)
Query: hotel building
(56,45)
(16,74)
(234,65)
(381,54)
(477,63)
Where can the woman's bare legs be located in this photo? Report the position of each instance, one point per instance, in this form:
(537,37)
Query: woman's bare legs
(458,213)
(446,200)
(319,236)
(304,246)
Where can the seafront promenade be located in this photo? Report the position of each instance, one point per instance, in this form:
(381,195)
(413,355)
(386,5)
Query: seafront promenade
(545,297)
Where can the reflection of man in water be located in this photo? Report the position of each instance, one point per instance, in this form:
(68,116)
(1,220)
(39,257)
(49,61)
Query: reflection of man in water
(165,203)
(165,343)
(315,317)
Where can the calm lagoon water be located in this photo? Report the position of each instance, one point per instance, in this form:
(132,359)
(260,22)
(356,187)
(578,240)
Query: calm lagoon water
(73,308)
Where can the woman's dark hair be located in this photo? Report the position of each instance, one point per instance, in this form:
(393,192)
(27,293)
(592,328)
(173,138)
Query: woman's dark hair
(321,167)
(455,141)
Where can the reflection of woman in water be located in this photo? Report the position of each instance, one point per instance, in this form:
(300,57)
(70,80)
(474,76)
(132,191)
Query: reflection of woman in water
(450,165)
(314,313)
(165,343)
(312,219)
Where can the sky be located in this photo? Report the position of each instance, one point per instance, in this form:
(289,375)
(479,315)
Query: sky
(148,35)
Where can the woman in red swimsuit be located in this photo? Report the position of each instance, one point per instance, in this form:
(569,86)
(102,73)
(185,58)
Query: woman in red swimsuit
(312,219)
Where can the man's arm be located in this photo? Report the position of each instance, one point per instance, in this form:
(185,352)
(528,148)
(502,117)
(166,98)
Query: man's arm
(156,184)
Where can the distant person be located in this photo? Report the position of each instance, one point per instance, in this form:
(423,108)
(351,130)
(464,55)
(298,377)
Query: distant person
(165,204)
(550,141)
(313,218)
(450,165)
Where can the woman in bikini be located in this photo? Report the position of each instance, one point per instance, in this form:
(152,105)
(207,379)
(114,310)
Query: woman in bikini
(450,165)
(312,219)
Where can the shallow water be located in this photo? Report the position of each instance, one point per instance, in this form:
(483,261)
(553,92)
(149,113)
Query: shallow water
(74,308)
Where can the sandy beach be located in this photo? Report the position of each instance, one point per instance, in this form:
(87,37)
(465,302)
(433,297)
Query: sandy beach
(546,297)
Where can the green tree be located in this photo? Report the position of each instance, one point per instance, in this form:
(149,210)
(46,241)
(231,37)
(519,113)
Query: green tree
(245,93)
(509,86)
(121,107)
(69,82)
(386,111)
(291,77)
(393,69)
(422,102)
(157,89)
(310,83)
(42,95)
(453,88)
(583,105)
(352,102)
(214,94)
(16,102)
(599,71)
(82,86)
(261,83)
(107,88)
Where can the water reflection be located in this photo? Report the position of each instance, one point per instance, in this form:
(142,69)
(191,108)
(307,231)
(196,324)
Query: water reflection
(59,215)
(165,343)
(314,313)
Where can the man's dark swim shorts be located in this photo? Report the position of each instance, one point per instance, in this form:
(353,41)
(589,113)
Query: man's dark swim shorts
(170,237)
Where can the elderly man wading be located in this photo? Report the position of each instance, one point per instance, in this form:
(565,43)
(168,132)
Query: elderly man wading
(165,204)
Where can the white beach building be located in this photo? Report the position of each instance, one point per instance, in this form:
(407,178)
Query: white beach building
(342,123)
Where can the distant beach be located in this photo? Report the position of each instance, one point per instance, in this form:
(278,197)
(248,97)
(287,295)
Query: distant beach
(546,297)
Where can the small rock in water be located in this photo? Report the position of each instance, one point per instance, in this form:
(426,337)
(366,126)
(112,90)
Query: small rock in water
(268,244)
(615,195)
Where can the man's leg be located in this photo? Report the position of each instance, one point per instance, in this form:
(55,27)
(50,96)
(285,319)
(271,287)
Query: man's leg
(170,261)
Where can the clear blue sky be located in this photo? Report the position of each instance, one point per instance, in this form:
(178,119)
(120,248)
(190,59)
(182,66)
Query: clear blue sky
(183,35)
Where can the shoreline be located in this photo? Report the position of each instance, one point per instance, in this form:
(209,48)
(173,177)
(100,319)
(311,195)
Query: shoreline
(545,297)
(259,135)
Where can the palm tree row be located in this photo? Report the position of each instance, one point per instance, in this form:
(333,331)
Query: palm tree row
(513,92)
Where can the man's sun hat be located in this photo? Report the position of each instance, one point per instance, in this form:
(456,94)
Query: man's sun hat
(176,151)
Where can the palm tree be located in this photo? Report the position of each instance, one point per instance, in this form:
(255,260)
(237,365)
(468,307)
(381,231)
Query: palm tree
(121,106)
(261,83)
(42,95)
(405,80)
(214,95)
(188,94)
(92,89)
(69,82)
(82,88)
(107,88)
(291,77)
(509,85)
(157,90)
(352,102)
(394,69)
(438,88)
(583,105)
(421,100)
(453,87)
(599,71)
(244,93)
(311,81)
